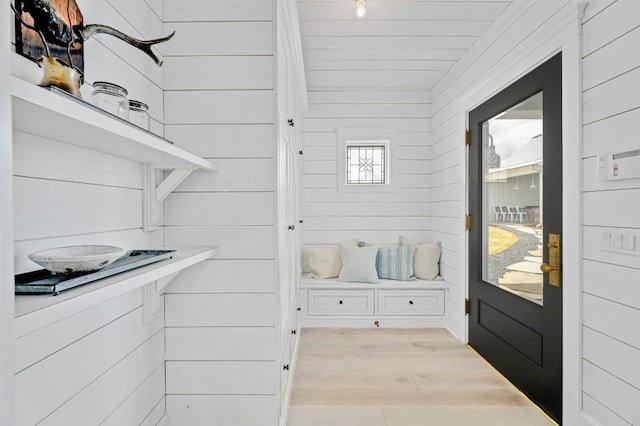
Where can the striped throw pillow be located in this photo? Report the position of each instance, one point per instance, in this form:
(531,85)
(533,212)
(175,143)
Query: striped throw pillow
(358,264)
(396,263)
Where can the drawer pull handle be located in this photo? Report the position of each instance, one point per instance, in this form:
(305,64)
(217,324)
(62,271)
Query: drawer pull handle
(340,302)
(411,302)
(293,332)
(285,367)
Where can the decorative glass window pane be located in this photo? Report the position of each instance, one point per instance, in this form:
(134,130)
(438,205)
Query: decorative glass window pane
(366,164)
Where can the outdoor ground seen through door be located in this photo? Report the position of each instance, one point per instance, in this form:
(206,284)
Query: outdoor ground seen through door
(512,202)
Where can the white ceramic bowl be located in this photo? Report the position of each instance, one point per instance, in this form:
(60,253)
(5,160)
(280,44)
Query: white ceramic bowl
(74,259)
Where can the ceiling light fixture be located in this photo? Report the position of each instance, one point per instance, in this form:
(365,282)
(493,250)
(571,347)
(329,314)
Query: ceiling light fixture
(361,8)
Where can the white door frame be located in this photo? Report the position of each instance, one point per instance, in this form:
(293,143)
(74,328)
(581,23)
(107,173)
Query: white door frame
(565,37)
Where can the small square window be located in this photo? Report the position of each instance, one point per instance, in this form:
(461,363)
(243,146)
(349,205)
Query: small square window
(366,160)
(366,164)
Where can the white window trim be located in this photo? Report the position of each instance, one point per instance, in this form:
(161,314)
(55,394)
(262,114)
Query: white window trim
(368,136)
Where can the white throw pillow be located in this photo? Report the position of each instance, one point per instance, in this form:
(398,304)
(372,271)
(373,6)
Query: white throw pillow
(326,262)
(358,264)
(426,261)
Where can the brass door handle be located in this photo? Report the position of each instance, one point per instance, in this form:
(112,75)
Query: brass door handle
(553,267)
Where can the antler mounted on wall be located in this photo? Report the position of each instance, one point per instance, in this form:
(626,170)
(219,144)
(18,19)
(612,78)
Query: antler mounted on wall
(55,28)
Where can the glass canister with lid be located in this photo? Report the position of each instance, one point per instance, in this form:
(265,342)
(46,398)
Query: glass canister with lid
(111,98)
(139,114)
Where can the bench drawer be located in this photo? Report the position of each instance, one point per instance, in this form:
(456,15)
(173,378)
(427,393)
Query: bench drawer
(341,302)
(411,302)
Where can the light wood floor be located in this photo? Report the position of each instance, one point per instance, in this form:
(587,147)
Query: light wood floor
(400,377)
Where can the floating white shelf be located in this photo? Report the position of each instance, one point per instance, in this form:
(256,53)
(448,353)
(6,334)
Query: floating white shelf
(36,311)
(59,116)
(41,112)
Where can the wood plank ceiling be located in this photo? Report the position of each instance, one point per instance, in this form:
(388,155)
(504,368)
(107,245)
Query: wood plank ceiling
(399,46)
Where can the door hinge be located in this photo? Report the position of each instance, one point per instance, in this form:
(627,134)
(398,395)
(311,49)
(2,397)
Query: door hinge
(467,222)
(467,306)
(467,137)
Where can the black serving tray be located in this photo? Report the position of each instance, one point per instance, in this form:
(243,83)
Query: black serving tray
(47,282)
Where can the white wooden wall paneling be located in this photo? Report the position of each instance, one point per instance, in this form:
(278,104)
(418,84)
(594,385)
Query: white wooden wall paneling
(370,96)
(398,42)
(370,236)
(137,407)
(612,392)
(250,208)
(331,181)
(403,10)
(235,242)
(603,414)
(69,211)
(218,10)
(113,389)
(598,31)
(35,346)
(356,224)
(227,409)
(233,175)
(519,27)
(617,358)
(221,38)
(77,366)
(64,162)
(146,22)
(331,124)
(346,65)
(607,63)
(612,319)
(130,239)
(594,8)
(214,310)
(371,78)
(229,378)
(382,110)
(623,289)
(218,72)
(614,133)
(242,344)
(224,141)
(226,276)
(327,195)
(158,414)
(598,208)
(445,207)
(403,28)
(217,107)
(6,235)
(324,167)
(366,209)
(612,98)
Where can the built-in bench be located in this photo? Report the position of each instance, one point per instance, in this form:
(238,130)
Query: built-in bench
(387,303)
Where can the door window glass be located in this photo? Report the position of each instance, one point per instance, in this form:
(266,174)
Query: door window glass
(512,199)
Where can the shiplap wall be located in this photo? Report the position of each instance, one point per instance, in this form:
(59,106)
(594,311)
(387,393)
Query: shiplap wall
(331,216)
(6,235)
(518,40)
(221,315)
(611,298)
(101,365)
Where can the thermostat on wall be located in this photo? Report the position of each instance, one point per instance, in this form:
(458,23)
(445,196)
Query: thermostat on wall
(619,165)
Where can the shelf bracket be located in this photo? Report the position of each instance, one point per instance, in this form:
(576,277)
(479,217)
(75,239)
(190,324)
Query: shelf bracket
(151,297)
(154,193)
